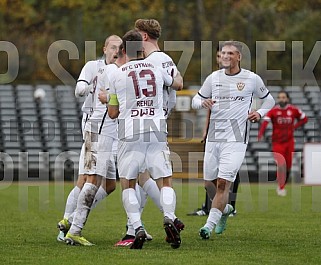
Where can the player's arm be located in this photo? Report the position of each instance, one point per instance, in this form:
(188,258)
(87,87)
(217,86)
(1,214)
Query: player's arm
(203,98)
(177,82)
(302,119)
(262,93)
(84,83)
(264,125)
(113,106)
(207,124)
(103,94)
(174,82)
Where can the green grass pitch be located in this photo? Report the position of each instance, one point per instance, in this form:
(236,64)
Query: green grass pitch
(267,229)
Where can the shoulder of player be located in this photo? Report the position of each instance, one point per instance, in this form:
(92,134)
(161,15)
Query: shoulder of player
(293,107)
(249,74)
(216,74)
(90,64)
(110,67)
(160,57)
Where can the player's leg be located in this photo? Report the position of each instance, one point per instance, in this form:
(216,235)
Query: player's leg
(288,160)
(88,192)
(278,153)
(159,165)
(207,205)
(151,189)
(84,203)
(71,202)
(230,157)
(233,193)
(106,166)
(131,155)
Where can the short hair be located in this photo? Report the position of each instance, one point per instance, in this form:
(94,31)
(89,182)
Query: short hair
(109,37)
(238,45)
(150,26)
(133,43)
(286,93)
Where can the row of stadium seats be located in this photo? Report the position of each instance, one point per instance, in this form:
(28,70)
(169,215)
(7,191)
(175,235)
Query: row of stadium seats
(39,134)
(49,129)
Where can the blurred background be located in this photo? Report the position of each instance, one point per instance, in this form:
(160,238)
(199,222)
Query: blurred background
(49,129)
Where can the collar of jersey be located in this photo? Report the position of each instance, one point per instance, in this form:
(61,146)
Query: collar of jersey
(234,74)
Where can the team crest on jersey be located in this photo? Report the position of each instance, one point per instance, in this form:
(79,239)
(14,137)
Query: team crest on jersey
(289,113)
(240,86)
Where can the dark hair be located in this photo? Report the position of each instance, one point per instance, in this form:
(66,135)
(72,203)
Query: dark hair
(286,93)
(133,43)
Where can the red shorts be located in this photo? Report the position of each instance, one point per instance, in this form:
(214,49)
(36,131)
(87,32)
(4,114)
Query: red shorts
(283,153)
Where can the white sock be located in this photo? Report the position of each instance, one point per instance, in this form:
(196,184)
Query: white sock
(84,203)
(130,229)
(213,218)
(131,206)
(225,211)
(151,188)
(100,195)
(137,191)
(71,202)
(168,202)
(141,197)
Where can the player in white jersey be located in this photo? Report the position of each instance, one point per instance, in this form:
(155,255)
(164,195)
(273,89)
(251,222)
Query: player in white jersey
(150,30)
(228,93)
(137,100)
(85,87)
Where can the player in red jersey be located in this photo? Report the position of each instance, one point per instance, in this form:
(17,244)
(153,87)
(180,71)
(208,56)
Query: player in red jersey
(285,119)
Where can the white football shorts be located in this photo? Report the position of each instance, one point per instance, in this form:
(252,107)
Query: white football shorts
(223,160)
(97,156)
(144,151)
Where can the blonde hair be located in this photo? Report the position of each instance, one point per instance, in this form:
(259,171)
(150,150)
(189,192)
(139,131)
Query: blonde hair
(150,26)
(109,37)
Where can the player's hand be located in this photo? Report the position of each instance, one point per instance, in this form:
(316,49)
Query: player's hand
(208,103)
(254,116)
(103,96)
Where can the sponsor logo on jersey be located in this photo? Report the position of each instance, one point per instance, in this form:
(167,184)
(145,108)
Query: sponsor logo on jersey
(231,98)
(168,64)
(284,120)
(240,86)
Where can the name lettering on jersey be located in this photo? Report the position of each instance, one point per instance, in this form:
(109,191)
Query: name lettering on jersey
(142,112)
(167,64)
(137,65)
(145,103)
(232,98)
(218,85)
(240,86)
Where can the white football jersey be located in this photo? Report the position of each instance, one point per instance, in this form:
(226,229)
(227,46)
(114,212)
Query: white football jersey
(162,60)
(87,75)
(233,96)
(100,122)
(138,86)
